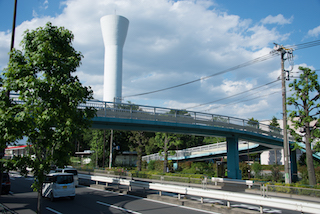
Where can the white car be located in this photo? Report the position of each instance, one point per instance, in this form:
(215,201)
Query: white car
(73,171)
(57,185)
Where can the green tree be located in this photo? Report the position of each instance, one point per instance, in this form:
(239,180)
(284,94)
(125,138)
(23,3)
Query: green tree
(97,144)
(165,142)
(139,141)
(213,140)
(275,127)
(179,112)
(188,141)
(99,141)
(306,93)
(42,75)
(253,122)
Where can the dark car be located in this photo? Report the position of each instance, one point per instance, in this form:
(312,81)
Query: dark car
(6,184)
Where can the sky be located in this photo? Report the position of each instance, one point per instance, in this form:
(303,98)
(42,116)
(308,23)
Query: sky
(175,42)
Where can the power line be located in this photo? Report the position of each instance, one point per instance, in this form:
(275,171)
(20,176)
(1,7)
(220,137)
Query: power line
(232,103)
(234,94)
(259,59)
(256,60)
(305,45)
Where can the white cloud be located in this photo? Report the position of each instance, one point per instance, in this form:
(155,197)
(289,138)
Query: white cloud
(279,19)
(315,32)
(169,43)
(45,4)
(233,87)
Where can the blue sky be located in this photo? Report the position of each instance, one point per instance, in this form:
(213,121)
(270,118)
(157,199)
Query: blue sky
(173,42)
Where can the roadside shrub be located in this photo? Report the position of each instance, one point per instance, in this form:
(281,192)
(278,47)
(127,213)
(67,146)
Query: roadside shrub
(276,174)
(257,168)
(202,168)
(156,165)
(244,167)
(144,165)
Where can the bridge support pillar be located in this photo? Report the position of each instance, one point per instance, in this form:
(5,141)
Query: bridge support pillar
(233,158)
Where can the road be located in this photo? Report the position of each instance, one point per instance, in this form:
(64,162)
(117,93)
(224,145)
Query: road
(23,200)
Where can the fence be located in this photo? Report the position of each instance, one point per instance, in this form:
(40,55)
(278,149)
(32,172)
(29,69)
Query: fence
(281,203)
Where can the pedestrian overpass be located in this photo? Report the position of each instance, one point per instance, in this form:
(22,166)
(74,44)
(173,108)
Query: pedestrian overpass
(156,119)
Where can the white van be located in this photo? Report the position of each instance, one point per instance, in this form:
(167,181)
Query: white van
(73,171)
(57,185)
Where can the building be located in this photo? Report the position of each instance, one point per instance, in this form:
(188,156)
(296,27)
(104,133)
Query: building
(12,151)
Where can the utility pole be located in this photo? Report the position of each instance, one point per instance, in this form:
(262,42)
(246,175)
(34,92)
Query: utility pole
(286,148)
(2,150)
(111,148)
(104,149)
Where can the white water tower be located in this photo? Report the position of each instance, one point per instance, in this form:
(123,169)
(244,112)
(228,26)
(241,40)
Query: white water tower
(114,32)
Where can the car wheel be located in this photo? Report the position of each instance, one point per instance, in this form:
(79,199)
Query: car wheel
(51,197)
(72,197)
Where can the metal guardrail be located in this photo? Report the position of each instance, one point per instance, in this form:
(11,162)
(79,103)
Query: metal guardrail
(293,192)
(152,113)
(191,151)
(261,201)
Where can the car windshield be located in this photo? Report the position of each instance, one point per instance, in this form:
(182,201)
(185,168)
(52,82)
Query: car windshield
(64,179)
(73,171)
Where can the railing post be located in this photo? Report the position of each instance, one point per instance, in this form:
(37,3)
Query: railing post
(105,109)
(130,111)
(195,118)
(175,115)
(155,113)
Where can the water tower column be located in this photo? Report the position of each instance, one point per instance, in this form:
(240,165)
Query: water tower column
(114,32)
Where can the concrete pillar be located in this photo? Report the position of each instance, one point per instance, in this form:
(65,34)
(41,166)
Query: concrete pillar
(233,158)
(294,168)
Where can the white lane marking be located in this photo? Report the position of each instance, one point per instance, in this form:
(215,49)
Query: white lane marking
(265,210)
(52,210)
(155,201)
(119,208)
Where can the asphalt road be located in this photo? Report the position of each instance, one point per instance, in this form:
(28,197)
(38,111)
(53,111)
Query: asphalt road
(23,200)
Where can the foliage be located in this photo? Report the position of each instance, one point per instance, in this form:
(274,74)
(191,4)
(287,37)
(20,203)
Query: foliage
(275,173)
(165,141)
(244,167)
(179,112)
(155,165)
(257,168)
(99,141)
(188,141)
(253,122)
(202,168)
(275,127)
(212,140)
(41,74)
(294,188)
(139,140)
(306,93)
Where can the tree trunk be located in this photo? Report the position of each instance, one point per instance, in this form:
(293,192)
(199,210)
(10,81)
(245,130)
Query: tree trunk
(39,200)
(309,159)
(165,151)
(139,153)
